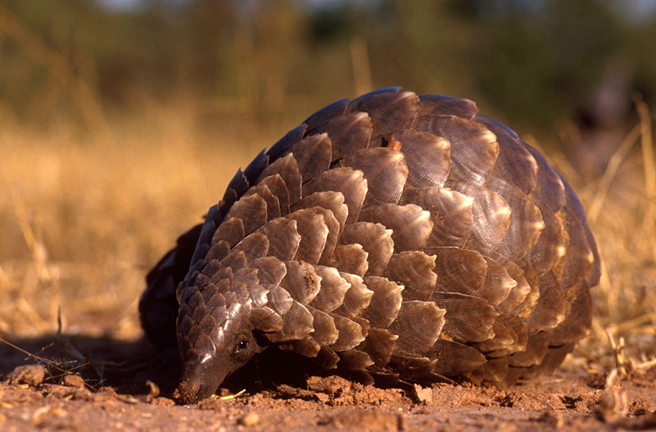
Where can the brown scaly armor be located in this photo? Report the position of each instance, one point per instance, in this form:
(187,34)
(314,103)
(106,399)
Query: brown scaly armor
(393,235)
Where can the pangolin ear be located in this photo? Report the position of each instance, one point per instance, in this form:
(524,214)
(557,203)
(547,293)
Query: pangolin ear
(265,320)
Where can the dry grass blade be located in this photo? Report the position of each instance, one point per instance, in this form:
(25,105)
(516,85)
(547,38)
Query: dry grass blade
(649,167)
(635,322)
(610,173)
(591,360)
(623,365)
(36,357)
(35,244)
(233,396)
(361,65)
(646,365)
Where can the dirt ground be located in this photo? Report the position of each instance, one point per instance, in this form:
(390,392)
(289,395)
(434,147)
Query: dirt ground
(87,383)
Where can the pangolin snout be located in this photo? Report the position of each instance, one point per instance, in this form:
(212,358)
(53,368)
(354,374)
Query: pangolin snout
(199,382)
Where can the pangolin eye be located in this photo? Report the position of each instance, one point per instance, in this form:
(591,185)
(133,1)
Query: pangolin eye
(241,346)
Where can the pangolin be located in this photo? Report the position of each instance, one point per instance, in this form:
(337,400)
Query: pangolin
(392,235)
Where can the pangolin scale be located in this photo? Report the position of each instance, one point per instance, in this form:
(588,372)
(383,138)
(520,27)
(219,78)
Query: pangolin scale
(392,235)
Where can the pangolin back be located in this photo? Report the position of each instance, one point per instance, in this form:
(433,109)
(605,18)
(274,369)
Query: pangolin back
(390,235)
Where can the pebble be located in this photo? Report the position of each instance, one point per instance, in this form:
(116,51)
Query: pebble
(32,375)
(250,419)
(73,381)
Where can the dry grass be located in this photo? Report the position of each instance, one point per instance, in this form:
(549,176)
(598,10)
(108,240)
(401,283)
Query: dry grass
(621,213)
(83,221)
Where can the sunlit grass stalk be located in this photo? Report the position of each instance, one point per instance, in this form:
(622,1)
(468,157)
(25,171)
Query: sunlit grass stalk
(649,221)
(611,171)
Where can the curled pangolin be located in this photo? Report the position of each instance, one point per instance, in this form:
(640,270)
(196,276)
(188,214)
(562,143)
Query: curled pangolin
(390,235)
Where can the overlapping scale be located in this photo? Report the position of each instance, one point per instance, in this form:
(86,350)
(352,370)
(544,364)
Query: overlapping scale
(312,228)
(469,319)
(390,111)
(410,224)
(356,299)
(325,331)
(313,155)
(473,147)
(278,188)
(287,169)
(515,164)
(349,333)
(350,258)
(413,270)
(491,215)
(348,133)
(375,239)
(385,171)
(427,157)
(333,289)
(451,212)
(435,106)
(418,325)
(297,323)
(271,200)
(301,281)
(385,302)
(350,183)
(526,222)
(454,358)
(252,210)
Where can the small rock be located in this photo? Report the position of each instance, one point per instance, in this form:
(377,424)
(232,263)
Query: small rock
(212,403)
(73,381)
(32,375)
(333,386)
(162,401)
(423,395)
(288,392)
(250,419)
(61,391)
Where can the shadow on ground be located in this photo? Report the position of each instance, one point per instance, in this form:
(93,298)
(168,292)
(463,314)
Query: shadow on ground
(126,366)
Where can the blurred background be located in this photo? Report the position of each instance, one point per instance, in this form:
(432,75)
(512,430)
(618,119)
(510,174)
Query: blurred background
(121,121)
(539,64)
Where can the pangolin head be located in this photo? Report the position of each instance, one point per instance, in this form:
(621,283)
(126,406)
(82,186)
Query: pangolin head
(218,321)
(213,344)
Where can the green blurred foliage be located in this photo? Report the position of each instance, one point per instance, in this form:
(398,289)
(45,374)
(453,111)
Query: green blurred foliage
(532,62)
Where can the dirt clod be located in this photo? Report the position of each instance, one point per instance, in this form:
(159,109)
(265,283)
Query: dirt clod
(250,419)
(73,381)
(32,375)
(422,394)
(162,401)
